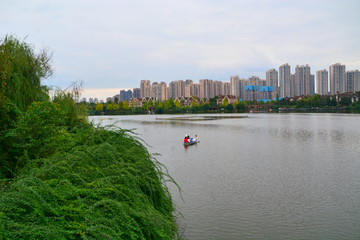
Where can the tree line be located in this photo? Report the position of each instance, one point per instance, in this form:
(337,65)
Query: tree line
(168,107)
(211,106)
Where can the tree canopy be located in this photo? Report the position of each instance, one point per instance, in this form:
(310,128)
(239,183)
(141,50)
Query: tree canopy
(22,71)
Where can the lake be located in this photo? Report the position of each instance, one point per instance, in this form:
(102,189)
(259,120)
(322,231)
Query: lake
(265,176)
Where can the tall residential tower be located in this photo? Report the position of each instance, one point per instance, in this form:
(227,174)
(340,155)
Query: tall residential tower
(338,81)
(285,81)
(272,80)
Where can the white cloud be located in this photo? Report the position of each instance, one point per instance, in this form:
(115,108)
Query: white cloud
(111,44)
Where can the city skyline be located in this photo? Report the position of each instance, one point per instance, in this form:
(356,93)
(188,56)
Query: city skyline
(301,82)
(115,44)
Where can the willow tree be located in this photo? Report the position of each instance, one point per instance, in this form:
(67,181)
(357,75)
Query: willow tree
(22,71)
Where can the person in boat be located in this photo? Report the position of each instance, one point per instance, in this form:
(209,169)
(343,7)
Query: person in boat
(186,138)
(194,139)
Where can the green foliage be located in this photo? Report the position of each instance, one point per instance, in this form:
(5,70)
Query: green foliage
(177,103)
(121,105)
(206,107)
(241,106)
(112,107)
(330,102)
(126,105)
(225,102)
(64,178)
(38,132)
(213,101)
(345,101)
(169,103)
(22,71)
(159,110)
(74,114)
(230,107)
(104,186)
(151,103)
(99,107)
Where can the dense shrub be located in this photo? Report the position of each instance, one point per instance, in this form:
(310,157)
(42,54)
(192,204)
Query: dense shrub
(104,186)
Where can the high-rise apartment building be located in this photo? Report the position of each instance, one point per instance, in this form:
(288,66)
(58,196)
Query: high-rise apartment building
(136,93)
(272,78)
(155,91)
(303,83)
(188,84)
(234,85)
(181,88)
(145,88)
(237,86)
(173,90)
(195,90)
(125,95)
(322,83)
(217,88)
(293,85)
(353,79)
(226,88)
(206,88)
(285,81)
(338,81)
(312,84)
(162,91)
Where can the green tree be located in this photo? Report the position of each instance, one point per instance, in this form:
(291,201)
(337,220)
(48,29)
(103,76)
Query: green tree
(315,100)
(121,105)
(116,100)
(169,103)
(241,106)
(22,71)
(177,103)
(206,107)
(345,101)
(330,101)
(213,101)
(160,104)
(230,107)
(151,103)
(126,105)
(194,103)
(112,107)
(225,102)
(99,107)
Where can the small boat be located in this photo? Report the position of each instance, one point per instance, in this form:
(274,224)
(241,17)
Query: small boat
(190,143)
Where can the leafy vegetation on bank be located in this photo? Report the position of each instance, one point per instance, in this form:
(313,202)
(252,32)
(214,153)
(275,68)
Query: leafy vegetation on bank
(99,184)
(61,177)
(211,106)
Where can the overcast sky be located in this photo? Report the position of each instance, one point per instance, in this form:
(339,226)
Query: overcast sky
(112,45)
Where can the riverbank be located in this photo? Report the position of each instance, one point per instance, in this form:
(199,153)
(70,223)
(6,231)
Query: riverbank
(99,182)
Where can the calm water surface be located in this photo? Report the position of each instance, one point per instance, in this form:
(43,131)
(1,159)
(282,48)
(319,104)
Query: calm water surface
(267,176)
